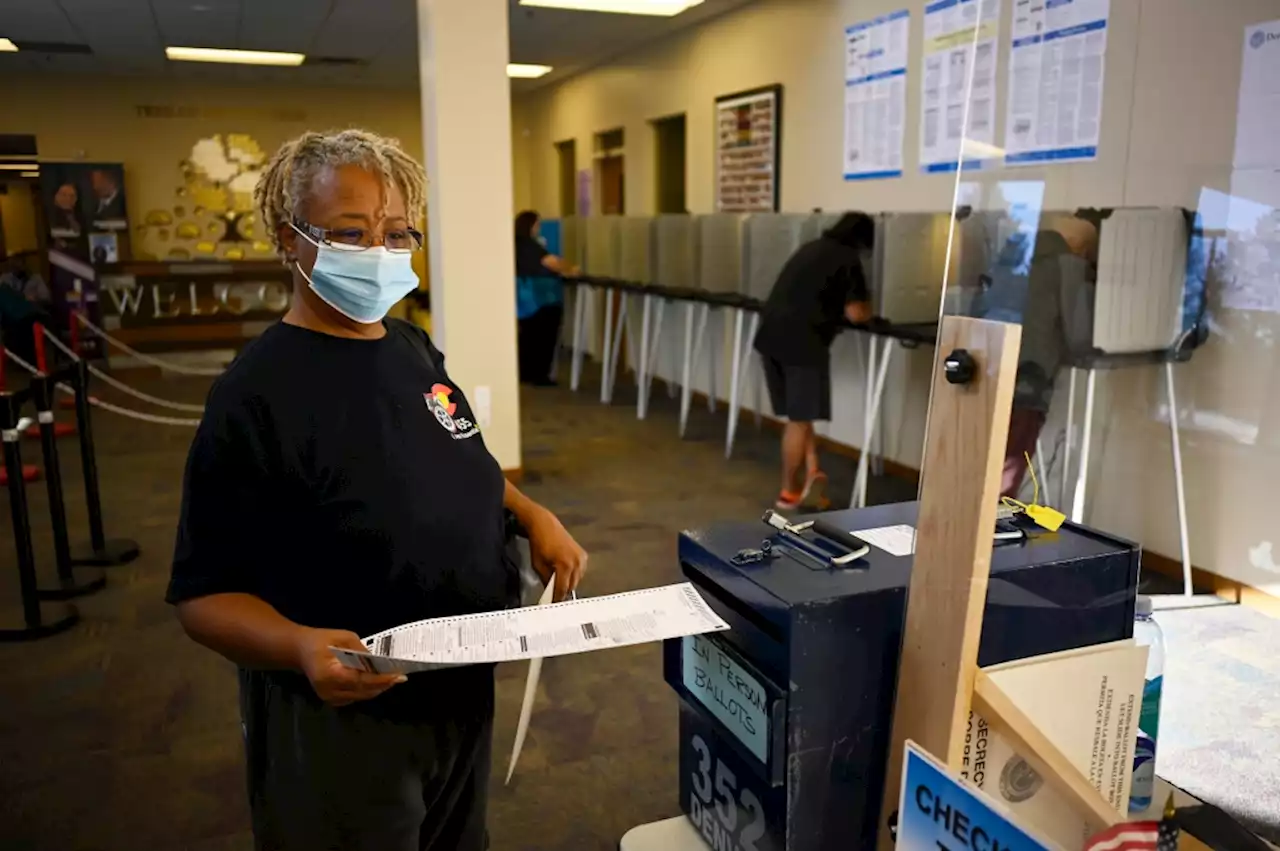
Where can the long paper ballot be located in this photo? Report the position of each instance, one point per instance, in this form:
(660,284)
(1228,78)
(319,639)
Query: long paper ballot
(530,693)
(558,629)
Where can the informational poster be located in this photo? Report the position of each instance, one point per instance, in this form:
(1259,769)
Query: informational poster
(747,126)
(875,96)
(1056,71)
(959,79)
(1249,262)
(81,199)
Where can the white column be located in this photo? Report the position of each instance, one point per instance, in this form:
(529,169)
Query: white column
(466,130)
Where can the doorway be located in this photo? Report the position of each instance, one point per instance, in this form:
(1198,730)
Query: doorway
(610,167)
(669,164)
(567,160)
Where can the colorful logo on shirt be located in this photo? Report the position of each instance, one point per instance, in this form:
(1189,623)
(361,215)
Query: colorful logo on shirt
(443,409)
(438,403)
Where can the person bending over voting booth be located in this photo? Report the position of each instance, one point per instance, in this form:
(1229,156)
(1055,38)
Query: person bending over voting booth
(312,515)
(822,286)
(1042,282)
(539,301)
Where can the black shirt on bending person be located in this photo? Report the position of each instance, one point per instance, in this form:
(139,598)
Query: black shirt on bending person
(345,483)
(805,310)
(529,254)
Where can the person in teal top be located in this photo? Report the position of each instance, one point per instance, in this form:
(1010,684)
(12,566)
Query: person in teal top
(539,301)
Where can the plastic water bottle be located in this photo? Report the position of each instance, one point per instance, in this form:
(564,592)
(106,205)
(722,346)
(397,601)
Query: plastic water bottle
(1147,632)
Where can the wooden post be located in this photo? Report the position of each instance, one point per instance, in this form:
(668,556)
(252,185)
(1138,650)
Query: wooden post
(963,457)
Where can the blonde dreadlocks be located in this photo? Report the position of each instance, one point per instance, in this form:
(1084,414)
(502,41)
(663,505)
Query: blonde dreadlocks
(287,180)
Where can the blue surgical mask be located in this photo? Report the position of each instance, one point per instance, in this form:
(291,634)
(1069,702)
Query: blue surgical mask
(361,285)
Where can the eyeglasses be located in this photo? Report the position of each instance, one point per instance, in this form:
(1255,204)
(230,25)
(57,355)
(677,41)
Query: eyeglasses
(399,240)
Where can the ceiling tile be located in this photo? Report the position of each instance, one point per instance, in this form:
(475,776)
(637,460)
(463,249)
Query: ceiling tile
(118,30)
(35,20)
(361,29)
(290,25)
(198,23)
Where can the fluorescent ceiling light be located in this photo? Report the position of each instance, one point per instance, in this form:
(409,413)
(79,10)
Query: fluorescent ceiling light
(621,7)
(7,46)
(234,57)
(19,166)
(527,72)
(29,174)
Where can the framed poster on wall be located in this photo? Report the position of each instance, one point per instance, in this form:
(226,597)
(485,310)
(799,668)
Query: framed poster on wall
(748,150)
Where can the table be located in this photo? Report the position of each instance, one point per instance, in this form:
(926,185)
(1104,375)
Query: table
(679,834)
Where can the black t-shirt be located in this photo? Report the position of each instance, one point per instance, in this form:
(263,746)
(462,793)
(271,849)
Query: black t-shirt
(805,310)
(529,254)
(345,483)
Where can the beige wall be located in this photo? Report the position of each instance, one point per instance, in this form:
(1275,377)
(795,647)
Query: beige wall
(94,120)
(18,215)
(1169,116)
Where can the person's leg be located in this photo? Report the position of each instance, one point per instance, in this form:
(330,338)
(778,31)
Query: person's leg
(457,796)
(1024,428)
(795,444)
(549,319)
(795,435)
(809,389)
(321,777)
(526,346)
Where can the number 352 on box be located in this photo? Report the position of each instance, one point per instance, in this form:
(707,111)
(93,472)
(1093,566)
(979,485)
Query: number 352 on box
(729,804)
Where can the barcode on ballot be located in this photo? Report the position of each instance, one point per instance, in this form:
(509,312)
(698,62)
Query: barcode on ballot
(524,644)
(384,645)
(589,630)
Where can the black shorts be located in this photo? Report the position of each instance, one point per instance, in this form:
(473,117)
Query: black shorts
(802,394)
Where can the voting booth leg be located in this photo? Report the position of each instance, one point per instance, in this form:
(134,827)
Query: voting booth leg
(877,373)
(32,620)
(101,551)
(686,367)
(579,313)
(1178,483)
(963,457)
(606,392)
(1068,437)
(649,357)
(735,373)
(642,365)
(1086,435)
(619,331)
(70,583)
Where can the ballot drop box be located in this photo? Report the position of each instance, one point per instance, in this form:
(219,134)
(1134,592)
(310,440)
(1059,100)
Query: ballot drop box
(784,719)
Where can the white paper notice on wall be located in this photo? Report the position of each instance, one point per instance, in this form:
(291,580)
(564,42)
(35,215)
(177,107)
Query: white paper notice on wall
(959,44)
(899,540)
(1056,73)
(875,95)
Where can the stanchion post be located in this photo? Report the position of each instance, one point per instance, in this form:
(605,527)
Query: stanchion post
(102,552)
(32,622)
(69,584)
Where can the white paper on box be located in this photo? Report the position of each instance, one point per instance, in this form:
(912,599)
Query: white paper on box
(898,540)
(558,629)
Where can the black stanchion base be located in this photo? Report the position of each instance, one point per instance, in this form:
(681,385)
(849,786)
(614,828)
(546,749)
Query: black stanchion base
(84,582)
(54,618)
(116,551)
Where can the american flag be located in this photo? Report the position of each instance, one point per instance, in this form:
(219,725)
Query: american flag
(1129,836)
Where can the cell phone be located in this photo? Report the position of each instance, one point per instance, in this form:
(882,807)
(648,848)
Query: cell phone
(1008,531)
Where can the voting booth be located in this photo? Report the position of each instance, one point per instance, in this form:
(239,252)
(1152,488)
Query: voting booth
(785,718)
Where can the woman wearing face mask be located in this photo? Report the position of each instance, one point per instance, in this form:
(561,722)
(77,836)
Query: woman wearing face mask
(338,486)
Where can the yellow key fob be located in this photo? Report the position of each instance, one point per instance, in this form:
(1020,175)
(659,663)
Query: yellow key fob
(1046,517)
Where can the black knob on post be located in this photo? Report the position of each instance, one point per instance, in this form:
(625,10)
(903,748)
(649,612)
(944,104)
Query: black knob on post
(959,367)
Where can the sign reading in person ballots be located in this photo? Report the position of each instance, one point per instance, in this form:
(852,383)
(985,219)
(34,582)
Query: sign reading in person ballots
(938,812)
(734,696)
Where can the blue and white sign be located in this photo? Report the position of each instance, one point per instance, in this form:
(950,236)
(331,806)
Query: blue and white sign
(875,96)
(1056,74)
(729,692)
(938,811)
(958,84)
